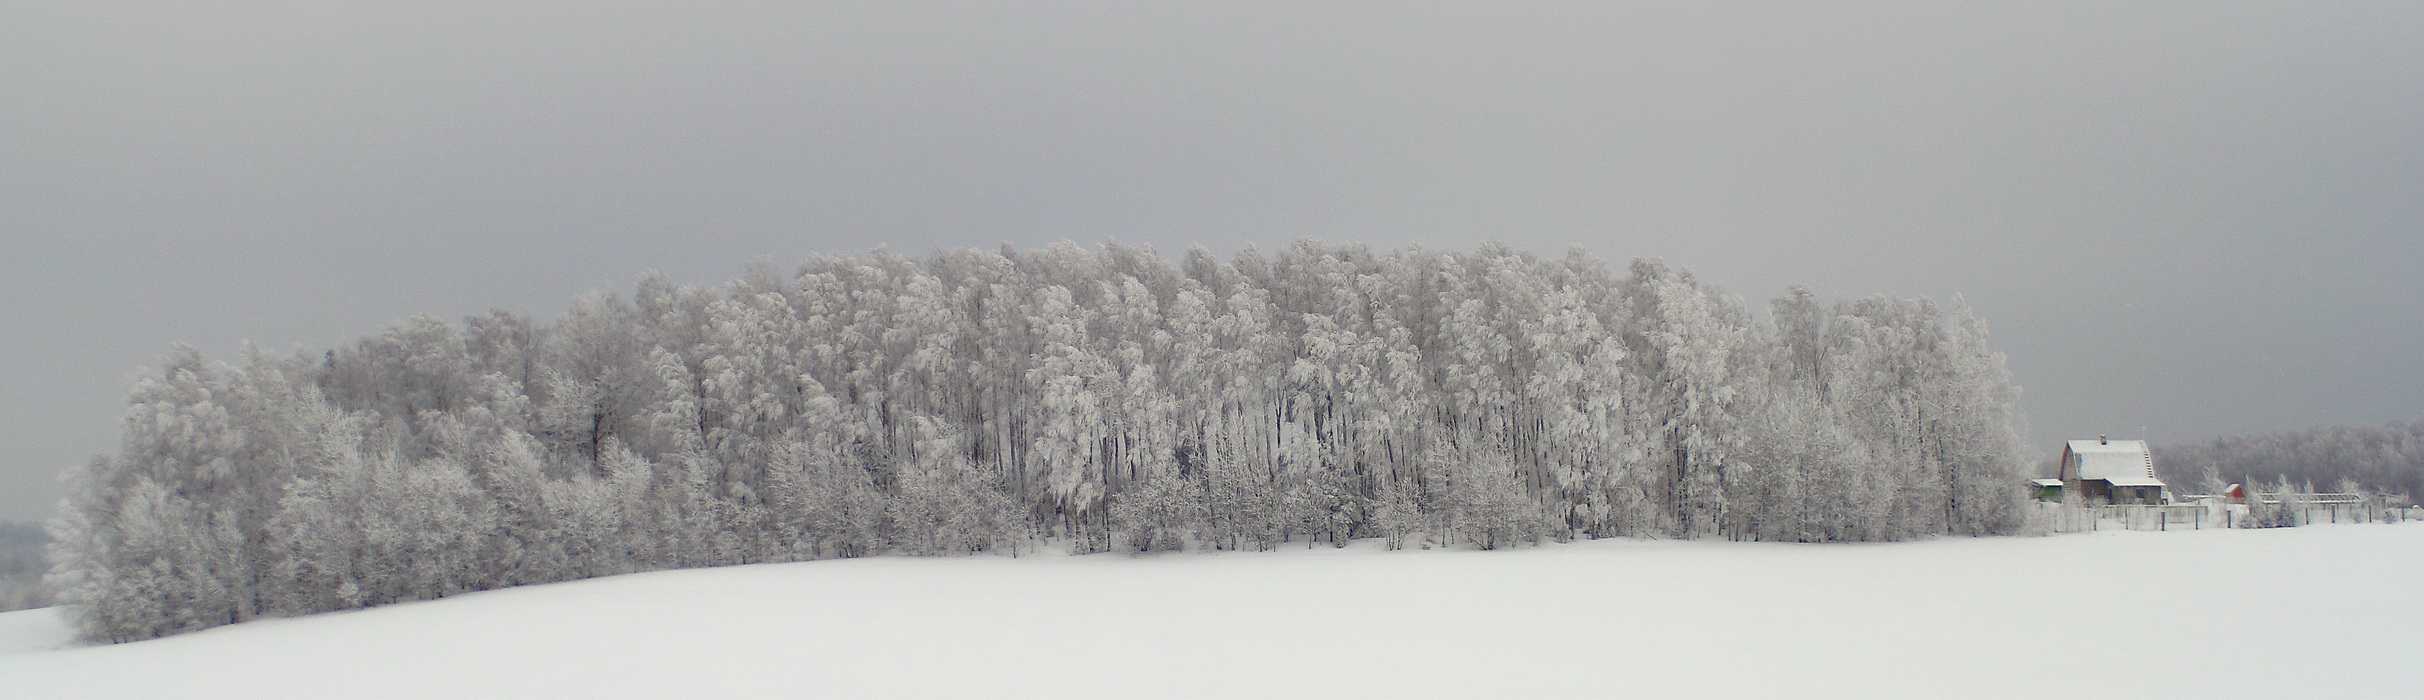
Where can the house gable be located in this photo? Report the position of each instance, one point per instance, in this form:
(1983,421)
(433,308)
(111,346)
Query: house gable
(2111,470)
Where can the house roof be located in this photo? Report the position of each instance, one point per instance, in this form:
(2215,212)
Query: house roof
(2048,483)
(2118,462)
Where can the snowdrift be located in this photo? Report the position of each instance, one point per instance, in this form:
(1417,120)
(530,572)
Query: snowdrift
(2118,614)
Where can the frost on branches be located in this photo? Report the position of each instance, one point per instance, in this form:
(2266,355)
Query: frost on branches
(977,402)
(2378,459)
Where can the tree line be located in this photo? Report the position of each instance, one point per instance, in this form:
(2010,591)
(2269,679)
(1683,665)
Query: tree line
(22,565)
(2383,459)
(1096,400)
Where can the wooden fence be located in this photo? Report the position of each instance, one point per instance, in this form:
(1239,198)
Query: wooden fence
(2299,510)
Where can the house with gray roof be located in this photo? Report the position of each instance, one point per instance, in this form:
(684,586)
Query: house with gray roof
(2110,471)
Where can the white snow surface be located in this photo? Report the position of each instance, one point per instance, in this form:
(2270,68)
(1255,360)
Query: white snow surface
(2286,613)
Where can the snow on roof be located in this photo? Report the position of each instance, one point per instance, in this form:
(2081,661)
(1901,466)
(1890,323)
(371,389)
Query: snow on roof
(2049,483)
(2118,462)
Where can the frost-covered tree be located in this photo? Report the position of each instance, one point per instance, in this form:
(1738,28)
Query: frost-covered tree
(2382,458)
(978,401)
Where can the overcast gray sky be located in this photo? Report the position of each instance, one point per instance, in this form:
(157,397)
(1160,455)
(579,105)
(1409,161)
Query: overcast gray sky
(2200,218)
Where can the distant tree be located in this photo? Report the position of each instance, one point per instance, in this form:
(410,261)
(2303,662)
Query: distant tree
(22,565)
(2385,458)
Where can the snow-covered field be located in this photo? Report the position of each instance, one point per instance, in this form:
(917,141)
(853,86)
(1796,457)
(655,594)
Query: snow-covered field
(2305,612)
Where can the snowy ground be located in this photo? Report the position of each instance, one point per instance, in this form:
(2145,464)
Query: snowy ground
(2301,612)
